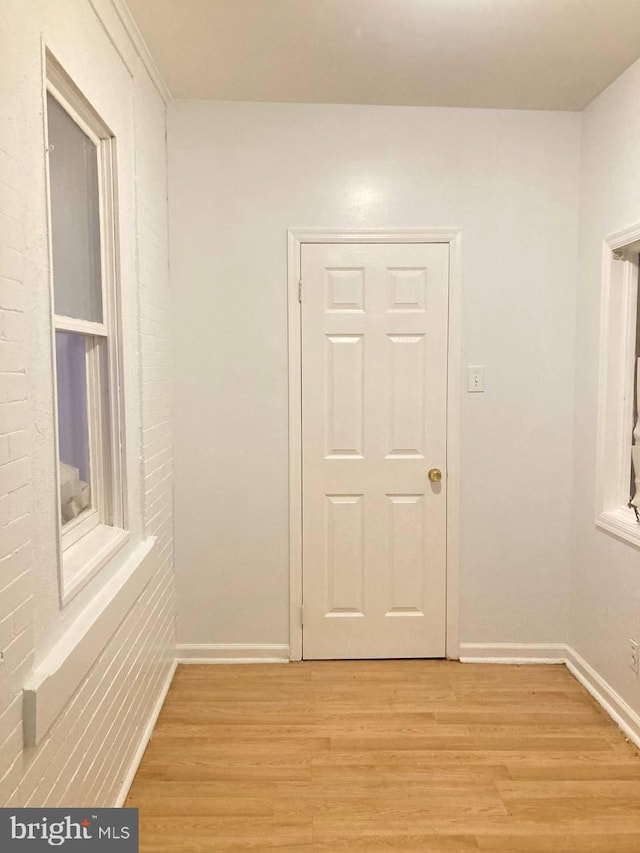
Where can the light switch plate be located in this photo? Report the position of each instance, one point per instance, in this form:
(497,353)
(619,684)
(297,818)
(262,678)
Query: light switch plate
(475,378)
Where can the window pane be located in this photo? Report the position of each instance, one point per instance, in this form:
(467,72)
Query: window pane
(75,217)
(634,500)
(73,424)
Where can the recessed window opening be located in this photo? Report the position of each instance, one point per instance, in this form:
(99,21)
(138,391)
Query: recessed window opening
(618,447)
(634,499)
(81,164)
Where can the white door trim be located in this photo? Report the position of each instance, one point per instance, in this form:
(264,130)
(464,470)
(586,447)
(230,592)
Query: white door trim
(296,238)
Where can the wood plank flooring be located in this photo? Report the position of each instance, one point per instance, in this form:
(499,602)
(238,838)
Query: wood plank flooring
(426,756)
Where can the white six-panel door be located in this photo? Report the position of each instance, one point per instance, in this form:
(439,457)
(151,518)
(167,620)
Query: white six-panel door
(374,389)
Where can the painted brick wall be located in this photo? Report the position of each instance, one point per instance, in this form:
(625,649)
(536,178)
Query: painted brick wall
(87,754)
(154,309)
(16,610)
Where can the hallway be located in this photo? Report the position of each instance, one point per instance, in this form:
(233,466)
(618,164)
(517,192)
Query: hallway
(430,756)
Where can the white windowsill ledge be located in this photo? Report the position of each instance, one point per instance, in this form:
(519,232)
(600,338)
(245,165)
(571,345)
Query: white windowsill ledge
(57,677)
(621,523)
(84,559)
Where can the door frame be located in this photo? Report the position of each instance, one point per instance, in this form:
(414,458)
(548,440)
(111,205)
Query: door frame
(297,237)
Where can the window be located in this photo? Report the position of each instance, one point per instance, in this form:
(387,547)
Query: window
(89,428)
(618,468)
(634,491)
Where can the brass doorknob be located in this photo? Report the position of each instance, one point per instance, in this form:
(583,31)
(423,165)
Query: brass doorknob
(435,475)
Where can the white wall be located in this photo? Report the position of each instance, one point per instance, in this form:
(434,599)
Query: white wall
(85,756)
(240,175)
(605,587)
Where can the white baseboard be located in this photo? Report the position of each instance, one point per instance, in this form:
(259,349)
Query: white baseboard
(232,653)
(513,653)
(615,706)
(531,653)
(144,740)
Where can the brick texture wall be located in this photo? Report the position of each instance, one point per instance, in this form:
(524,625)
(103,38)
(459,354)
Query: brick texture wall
(87,754)
(16,610)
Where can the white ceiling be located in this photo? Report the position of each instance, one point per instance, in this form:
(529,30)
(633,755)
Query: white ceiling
(528,54)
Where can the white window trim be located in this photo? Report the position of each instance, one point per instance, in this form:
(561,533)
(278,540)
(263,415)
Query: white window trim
(616,384)
(93,539)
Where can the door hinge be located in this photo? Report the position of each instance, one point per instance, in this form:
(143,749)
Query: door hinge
(301,615)
(300,291)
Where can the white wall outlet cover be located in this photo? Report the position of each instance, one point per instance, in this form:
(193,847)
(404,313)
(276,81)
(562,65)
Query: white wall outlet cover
(475,378)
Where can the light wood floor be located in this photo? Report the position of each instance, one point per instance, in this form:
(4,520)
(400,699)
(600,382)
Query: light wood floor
(393,755)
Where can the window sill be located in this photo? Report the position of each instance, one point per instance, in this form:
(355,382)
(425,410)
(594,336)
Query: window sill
(84,559)
(622,524)
(57,677)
